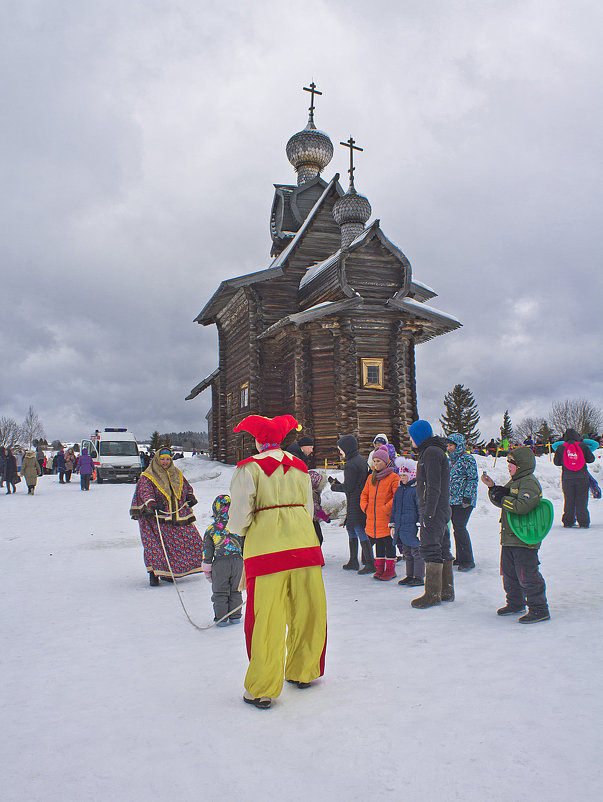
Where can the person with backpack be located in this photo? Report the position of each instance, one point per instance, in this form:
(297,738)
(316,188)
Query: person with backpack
(572,455)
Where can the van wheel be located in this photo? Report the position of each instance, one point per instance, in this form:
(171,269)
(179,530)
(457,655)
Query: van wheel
(99,478)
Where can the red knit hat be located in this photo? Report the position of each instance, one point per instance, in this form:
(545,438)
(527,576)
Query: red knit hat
(268,430)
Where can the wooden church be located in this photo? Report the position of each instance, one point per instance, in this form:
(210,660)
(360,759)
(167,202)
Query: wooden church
(327,332)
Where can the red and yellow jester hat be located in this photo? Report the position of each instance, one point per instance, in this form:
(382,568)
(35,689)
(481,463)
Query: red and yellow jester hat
(268,430)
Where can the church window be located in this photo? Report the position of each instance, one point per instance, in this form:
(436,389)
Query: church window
(372,374)
(245,395)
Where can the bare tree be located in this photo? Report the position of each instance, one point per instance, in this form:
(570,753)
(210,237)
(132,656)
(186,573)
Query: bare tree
(528,427)
(10,432)
(580,415)
(32,427)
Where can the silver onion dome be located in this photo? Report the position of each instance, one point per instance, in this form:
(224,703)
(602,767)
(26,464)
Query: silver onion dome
(309,151)
(352,208)
(351,213)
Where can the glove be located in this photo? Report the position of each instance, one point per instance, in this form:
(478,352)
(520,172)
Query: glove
(191,500)
(207,570)
(151,509)
(466,503)
(330,480)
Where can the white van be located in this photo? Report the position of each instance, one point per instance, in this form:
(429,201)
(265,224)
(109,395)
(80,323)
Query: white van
(115,455)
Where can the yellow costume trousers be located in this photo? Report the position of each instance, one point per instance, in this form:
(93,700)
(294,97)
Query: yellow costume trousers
(286,629)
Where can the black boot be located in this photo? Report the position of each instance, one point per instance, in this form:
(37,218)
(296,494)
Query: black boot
(367,554)
(352,564)
(153,579)
(511,609)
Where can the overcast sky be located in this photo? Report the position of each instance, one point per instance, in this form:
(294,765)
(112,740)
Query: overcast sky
(141,140)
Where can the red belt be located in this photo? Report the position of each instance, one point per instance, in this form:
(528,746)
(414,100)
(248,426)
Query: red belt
(278,507)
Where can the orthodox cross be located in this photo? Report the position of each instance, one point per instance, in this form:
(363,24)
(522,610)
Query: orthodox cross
(351,144)
(313,91)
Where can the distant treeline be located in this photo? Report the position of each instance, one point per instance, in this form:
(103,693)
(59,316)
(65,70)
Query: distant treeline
(188,441)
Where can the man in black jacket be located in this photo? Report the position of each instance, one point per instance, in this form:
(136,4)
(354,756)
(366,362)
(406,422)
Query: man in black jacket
(433,494)
(574,480)
(355,472)
(302,449)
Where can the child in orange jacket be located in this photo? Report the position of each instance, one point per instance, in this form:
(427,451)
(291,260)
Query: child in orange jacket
(376,501)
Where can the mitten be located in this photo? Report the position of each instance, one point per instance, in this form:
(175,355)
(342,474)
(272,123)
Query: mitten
(466,503)
(207,570)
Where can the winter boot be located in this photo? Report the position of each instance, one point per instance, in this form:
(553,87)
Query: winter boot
(153,579)
(379,568)
(369,562)
(511,609)
(433,587)
(534,616)
(390,570)
(415,582)
(406,580)
(352,563)
(447,582)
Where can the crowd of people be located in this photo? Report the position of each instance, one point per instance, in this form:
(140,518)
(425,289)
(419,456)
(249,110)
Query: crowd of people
(266,535)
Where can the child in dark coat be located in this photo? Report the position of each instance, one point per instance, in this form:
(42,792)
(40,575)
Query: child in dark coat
(223,564)
(404,522)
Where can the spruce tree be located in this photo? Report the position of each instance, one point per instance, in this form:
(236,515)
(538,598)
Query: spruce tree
(461,414)
(545,434)
(506,430)
(155,441)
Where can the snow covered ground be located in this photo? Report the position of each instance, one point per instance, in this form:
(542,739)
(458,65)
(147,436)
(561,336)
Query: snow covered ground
(109,693)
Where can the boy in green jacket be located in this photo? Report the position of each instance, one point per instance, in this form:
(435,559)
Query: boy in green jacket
(519,562)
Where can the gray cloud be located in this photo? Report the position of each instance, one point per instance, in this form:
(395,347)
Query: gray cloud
(140,152)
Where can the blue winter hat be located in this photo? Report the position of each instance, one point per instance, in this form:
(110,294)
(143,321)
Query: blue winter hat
(420,430)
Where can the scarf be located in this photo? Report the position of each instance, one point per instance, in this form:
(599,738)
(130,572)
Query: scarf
(376,476)
(169,482)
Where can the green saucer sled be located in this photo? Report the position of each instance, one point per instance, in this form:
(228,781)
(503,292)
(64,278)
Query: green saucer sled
(535,526)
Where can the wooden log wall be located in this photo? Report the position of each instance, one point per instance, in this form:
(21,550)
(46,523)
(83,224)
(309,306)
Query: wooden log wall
(402,379)
(323,398)
(234,325)
(349,381)
(372,337)
(374,272)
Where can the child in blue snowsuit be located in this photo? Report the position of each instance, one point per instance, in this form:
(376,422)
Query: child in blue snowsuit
(223,563)
(404,521)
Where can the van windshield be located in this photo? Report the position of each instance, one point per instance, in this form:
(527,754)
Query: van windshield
(118,448)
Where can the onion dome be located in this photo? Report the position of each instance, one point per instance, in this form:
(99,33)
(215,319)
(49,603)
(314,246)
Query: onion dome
(351,213)
(309,151)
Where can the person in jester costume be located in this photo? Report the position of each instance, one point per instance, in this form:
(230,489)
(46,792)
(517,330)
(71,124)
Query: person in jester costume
(285,617)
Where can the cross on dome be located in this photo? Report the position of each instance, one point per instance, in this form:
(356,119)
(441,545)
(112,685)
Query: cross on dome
(313,91)
(351,144)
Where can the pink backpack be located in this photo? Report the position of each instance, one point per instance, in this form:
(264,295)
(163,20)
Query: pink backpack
(573,457)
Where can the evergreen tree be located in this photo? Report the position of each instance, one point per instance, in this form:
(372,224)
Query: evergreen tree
(461,414)
(167,440)
(545,434)
(155,441)
(506,430)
